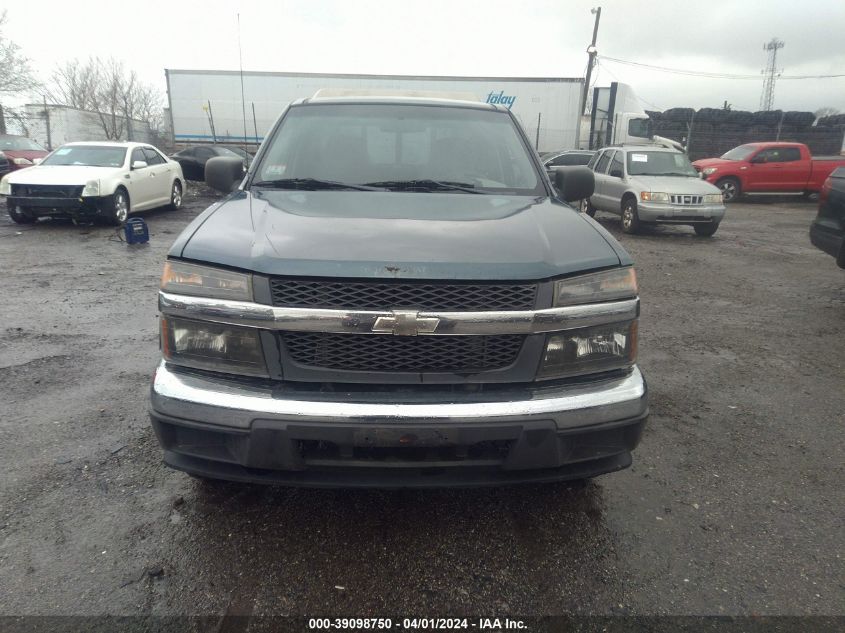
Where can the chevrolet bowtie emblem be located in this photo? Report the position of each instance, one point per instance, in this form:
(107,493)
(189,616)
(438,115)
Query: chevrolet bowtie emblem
(405,323)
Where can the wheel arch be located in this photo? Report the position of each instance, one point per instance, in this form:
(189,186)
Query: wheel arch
(628,195)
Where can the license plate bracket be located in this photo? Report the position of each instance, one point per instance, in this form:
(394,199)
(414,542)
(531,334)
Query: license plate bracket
(394,437)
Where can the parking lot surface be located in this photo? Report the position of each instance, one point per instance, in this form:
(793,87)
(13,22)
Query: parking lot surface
(733,504)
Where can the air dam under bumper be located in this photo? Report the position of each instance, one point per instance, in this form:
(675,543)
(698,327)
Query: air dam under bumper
(227,429)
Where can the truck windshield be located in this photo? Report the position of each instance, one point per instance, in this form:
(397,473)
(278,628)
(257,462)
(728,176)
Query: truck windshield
(87,156)
(399,148)
(739,153)
(647,163)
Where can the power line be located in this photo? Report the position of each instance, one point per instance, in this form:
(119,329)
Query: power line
(698,73)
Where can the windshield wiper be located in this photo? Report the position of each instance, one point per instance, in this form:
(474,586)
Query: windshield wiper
(311,184)
(425,185)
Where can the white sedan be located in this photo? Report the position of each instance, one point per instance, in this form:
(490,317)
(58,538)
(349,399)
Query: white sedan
(85,180)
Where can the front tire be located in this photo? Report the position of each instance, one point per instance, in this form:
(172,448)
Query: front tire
(117,208)
(730,188)
(705,230)
(630,218)
(19,215)
(175,196)
(586,207)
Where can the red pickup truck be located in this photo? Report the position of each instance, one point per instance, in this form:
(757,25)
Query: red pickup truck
(768,168)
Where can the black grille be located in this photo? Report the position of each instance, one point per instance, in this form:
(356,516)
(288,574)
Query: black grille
(47,191)
(387,353)
(425,296)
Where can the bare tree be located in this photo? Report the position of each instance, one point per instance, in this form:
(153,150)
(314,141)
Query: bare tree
(16,75)
(825,111)
(108,89)
(15,72)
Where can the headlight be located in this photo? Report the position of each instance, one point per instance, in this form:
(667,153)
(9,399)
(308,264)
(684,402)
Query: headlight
(608,285)
(21,161)
(212,346)
(92,188)
(5,186)
(709,170)
(650,196)
(204,281)
(591,350)
(713,198)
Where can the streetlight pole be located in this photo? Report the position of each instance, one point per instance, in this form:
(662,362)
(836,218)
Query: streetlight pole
(592,52)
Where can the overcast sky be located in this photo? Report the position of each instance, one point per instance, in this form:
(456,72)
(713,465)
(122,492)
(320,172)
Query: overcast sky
(539,38)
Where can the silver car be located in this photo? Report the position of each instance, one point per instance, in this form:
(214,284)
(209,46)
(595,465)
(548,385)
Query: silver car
(653,184)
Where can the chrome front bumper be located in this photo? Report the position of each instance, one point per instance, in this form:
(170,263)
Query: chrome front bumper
(224,429)
(236,404)
(682,214)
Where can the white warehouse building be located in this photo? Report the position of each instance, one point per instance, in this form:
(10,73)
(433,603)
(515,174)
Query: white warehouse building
(206,106)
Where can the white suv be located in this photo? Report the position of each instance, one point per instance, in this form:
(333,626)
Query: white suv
(653,184)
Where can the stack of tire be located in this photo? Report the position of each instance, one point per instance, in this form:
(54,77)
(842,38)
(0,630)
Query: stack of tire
(713,131)
(826,137)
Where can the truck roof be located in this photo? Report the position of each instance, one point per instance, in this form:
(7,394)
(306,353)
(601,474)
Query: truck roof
(764,144)
(407,97)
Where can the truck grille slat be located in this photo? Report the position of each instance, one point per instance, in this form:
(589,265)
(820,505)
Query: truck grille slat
(684,199)
(380,295)
(386,353)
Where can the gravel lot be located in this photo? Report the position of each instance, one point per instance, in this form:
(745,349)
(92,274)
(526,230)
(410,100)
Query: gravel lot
(733,505)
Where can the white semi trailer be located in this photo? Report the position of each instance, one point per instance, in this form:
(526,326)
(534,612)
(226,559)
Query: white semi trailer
(207,105)
(616,116)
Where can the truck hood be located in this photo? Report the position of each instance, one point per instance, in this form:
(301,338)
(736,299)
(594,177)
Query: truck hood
(29,154)
(60,174)
(675,184)
(714,162)
(398,234)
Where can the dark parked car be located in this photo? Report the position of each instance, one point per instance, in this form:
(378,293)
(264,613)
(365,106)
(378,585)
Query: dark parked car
(565,158)
(4,165)
(828,229)
(193,159)
(20,151)
(396,296)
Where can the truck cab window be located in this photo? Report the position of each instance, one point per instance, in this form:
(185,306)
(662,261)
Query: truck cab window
(773,155)
(601,165)
(616,166)
(639,127)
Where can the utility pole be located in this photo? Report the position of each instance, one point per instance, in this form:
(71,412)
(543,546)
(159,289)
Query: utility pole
(770,74)
(128,120)
(591,51)
(47,123)
(241,66)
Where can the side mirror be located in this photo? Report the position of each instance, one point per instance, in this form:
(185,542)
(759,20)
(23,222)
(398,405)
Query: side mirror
(223,173)
(616,173)
(139,164)
(574,183)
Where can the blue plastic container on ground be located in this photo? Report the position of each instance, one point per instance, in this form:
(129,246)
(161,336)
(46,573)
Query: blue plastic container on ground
(136,231)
